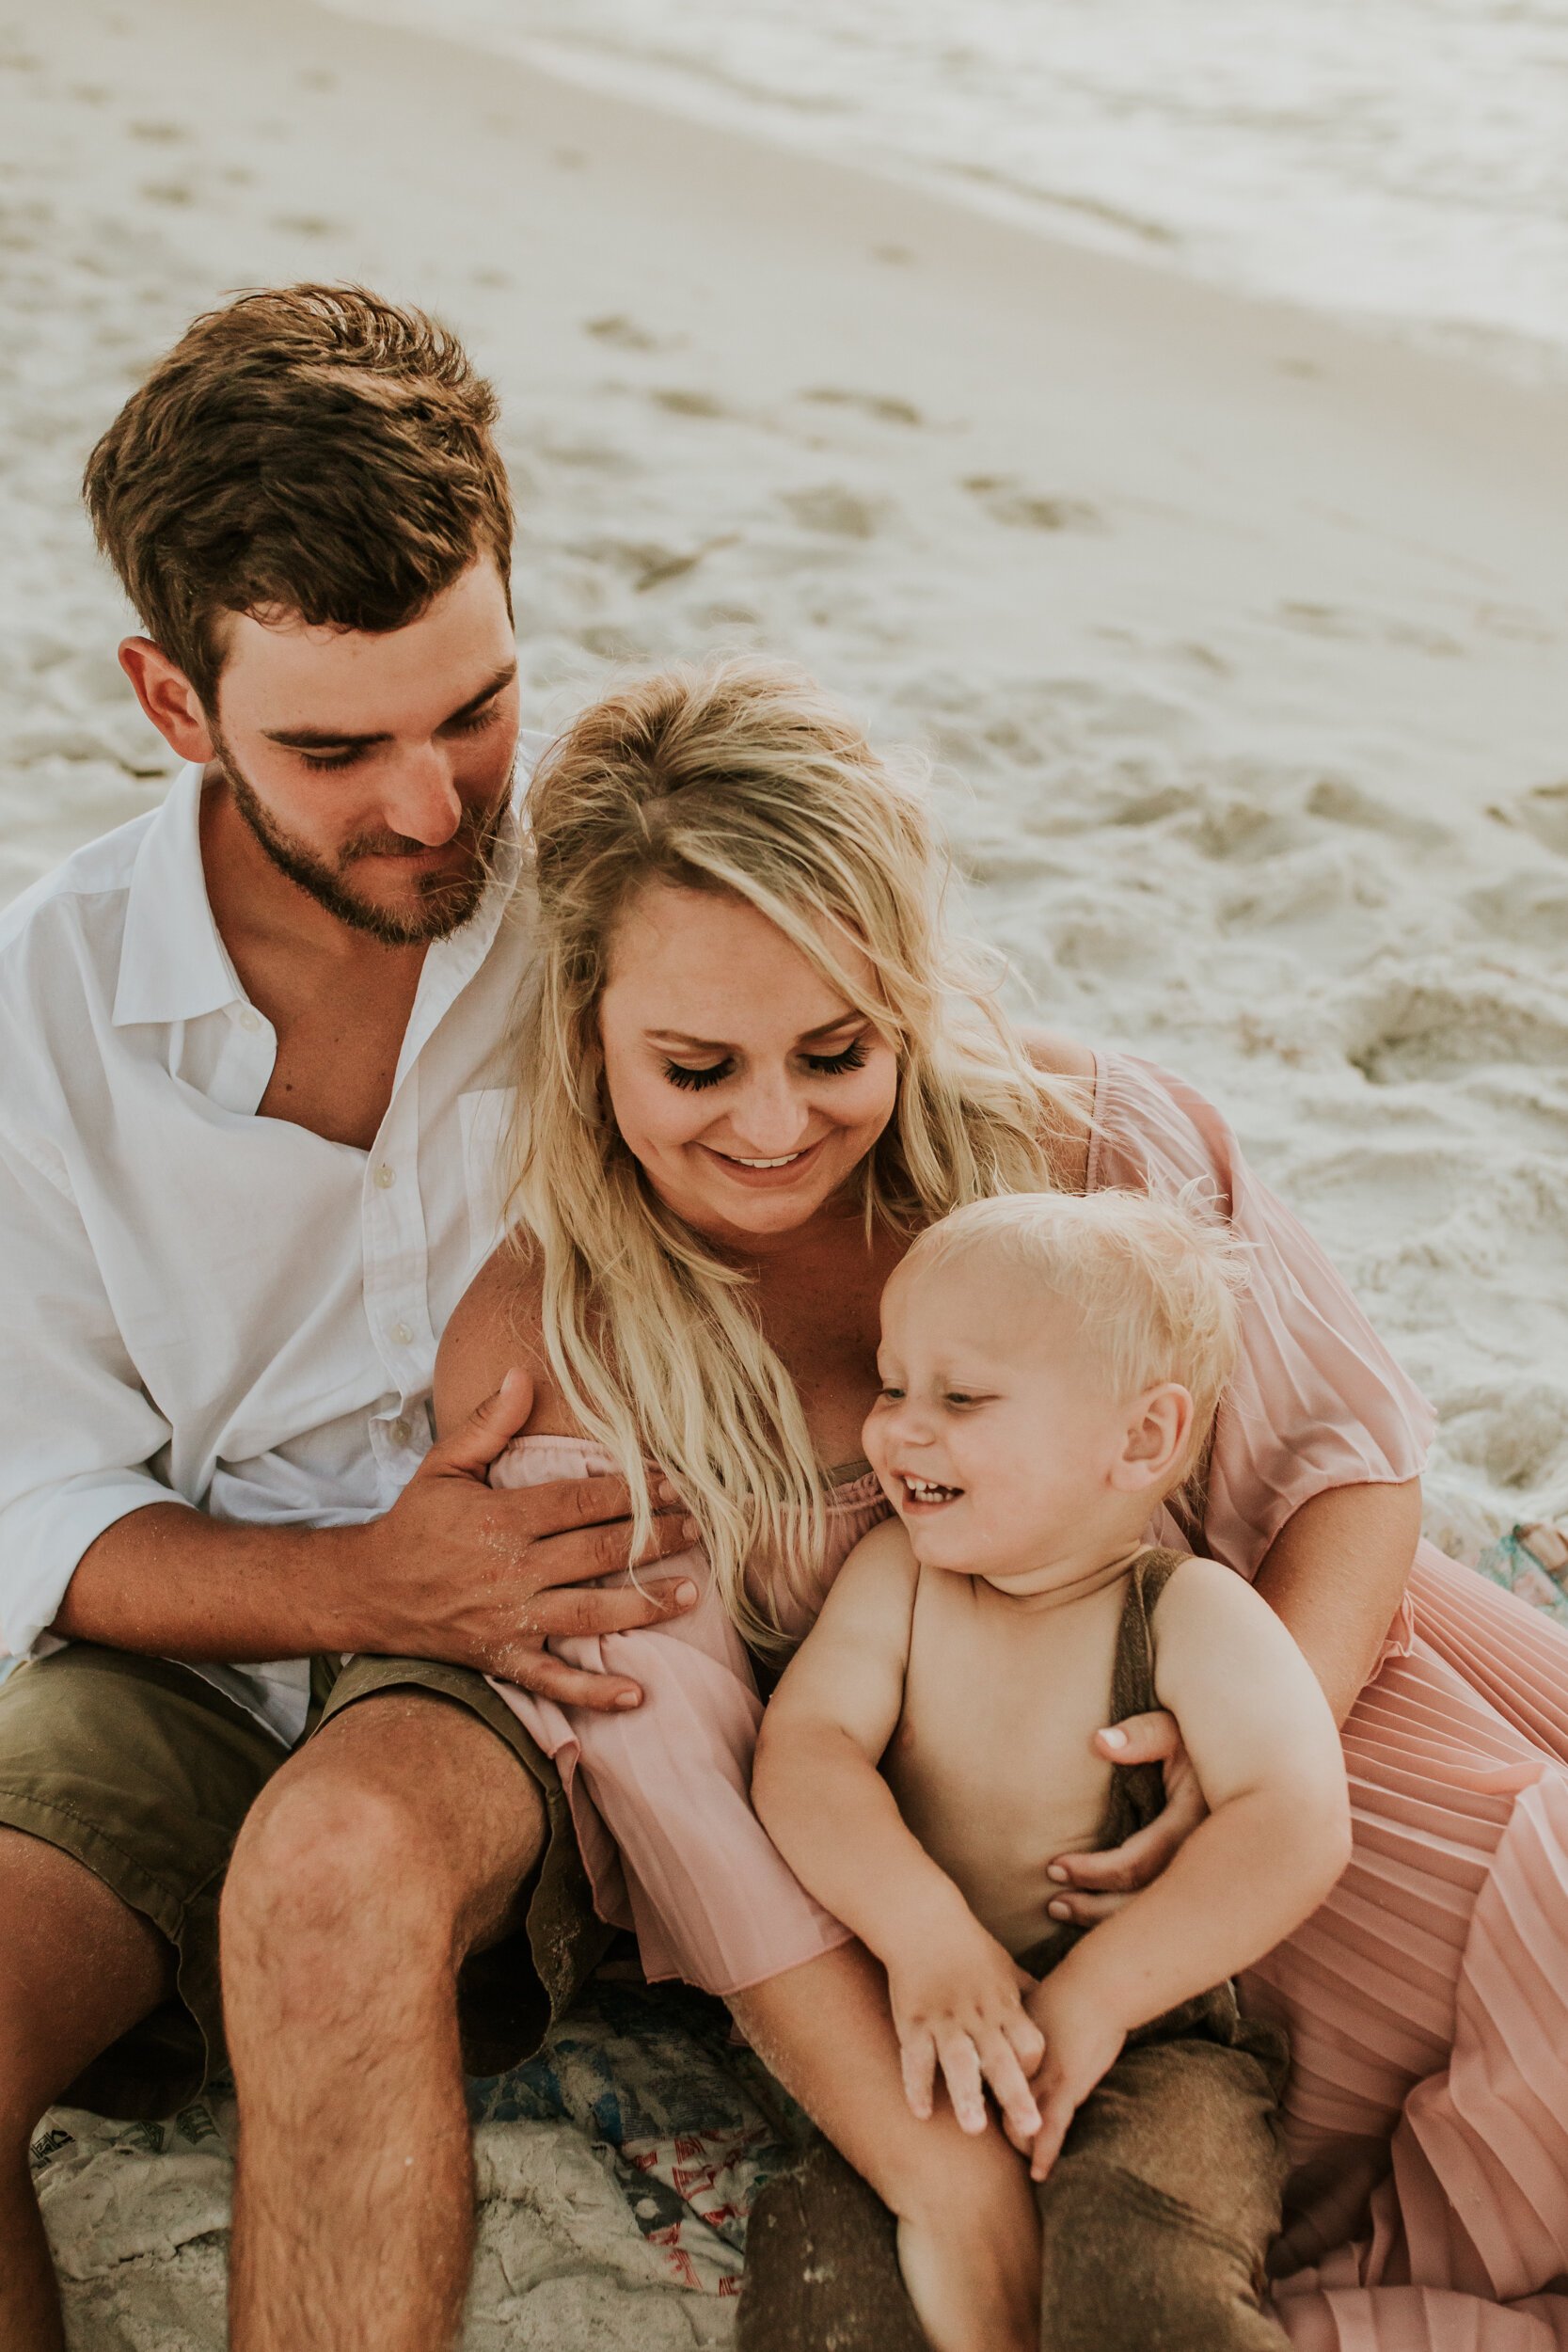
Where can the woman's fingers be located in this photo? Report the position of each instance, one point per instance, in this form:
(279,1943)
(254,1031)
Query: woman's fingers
(1152,1739)
(1136,1861)
(1072,1909)
(960,2072)
(917,2056)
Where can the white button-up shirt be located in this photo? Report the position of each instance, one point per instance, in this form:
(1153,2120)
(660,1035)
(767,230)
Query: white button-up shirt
(197,1304)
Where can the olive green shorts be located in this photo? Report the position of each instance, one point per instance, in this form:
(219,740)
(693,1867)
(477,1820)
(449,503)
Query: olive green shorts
(144,1772)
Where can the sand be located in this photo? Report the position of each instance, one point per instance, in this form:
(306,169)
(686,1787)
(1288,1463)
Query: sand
(1239,638)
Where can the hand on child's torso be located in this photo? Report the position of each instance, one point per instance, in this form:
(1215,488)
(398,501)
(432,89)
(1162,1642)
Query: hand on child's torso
(991,1762)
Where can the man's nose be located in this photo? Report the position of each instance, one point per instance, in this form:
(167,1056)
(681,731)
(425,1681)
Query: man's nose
(422,801)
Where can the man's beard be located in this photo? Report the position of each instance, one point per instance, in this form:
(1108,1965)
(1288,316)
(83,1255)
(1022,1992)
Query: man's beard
(447,901)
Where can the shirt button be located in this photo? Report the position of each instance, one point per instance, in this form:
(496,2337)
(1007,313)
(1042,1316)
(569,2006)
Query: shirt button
(386,1176)
(250,1019)
(400,1433)
(403,1335)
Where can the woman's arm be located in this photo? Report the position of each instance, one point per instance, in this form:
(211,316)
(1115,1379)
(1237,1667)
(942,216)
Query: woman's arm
(1335,1575)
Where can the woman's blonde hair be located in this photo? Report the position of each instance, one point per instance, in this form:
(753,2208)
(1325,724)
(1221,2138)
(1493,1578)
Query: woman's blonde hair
(1157,1284)
(742,778)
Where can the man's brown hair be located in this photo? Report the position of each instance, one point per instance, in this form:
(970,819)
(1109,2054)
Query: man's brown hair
(307,450)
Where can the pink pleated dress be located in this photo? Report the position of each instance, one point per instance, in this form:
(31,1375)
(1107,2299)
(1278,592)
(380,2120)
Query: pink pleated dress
(1427,1999)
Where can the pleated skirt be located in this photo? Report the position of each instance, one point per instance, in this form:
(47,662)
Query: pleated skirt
(1427,2002)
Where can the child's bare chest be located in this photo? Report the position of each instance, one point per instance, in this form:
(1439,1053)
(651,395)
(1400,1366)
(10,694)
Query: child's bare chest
(991,1762)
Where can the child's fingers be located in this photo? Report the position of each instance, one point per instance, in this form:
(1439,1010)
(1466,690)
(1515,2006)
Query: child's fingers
(1028,2043)
(917,2056)
(960,2070)
(1058,2108)
(1010,2084)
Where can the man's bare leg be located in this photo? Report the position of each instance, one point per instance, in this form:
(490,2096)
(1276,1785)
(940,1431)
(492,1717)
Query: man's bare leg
(389,1847)
(77,1969)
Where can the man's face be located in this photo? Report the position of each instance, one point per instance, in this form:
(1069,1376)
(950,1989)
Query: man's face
(374,771)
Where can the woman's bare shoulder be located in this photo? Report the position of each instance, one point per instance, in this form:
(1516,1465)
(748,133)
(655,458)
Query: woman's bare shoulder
(1068,1142)
(495,1327)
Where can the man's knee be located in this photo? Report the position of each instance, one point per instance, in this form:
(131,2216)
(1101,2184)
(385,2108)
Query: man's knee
(332,1863)
(345,1868)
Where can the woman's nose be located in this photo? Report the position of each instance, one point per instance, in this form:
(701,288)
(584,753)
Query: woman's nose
(770,1118)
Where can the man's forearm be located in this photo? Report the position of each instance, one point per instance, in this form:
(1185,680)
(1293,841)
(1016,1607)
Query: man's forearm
(174,1583)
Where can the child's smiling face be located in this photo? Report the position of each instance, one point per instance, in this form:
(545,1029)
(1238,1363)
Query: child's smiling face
(997,1436)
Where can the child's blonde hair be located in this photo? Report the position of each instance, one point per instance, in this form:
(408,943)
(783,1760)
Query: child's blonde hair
(1157,1283)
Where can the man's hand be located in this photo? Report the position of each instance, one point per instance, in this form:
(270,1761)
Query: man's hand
(482,1576)
(1095,1885)
(1081,2044)
(958,2003)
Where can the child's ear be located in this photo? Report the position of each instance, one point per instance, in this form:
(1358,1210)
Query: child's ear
(1158,1429)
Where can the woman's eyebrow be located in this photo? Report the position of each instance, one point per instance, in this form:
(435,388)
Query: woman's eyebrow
(722,1045)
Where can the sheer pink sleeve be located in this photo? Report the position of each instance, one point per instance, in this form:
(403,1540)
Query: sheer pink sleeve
(1318,1400)
(662,1796)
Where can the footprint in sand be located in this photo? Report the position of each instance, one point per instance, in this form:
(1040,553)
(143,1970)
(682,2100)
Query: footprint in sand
(1006,501)
(678,402)
(884,406)
(626,335)
(1541,811)
(1442,1027)
(1336,801)
(841,513)
(1525,910)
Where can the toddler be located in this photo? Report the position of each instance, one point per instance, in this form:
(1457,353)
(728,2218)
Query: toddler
(1050,1367)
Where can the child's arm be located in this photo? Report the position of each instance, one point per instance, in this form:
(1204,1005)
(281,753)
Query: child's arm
(1267,1754)
(956,1992)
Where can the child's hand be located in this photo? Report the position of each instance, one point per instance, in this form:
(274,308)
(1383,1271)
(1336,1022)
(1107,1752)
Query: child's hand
(958,2003)
(1081,2044)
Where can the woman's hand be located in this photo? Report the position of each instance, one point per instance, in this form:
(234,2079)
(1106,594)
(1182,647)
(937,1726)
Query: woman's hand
(1095,1885)
(958,2003)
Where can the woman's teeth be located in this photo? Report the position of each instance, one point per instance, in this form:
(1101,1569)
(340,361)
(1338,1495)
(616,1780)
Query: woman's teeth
(787,1161)
(926,1490)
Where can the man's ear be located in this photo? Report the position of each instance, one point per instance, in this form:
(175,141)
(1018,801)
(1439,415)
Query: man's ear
(1158,1430)
(168,698)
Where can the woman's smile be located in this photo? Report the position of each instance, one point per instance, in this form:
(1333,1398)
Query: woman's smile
(746,1083)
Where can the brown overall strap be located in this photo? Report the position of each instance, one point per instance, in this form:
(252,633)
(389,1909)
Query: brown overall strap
(1138,1791)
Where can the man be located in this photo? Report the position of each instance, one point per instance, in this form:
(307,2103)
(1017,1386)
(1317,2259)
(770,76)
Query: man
(254,1078)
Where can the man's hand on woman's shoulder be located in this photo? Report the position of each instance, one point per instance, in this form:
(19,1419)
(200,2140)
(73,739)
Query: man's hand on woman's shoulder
(484,1576)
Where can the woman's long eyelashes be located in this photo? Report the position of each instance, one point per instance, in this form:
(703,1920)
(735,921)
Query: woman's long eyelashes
(823,1066)
(830,1065)
(694,1080)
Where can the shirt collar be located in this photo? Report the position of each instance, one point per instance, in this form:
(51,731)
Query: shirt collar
(173,965)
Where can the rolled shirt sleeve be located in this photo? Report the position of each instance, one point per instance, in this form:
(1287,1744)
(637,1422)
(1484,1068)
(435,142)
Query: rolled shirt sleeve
(78,1433)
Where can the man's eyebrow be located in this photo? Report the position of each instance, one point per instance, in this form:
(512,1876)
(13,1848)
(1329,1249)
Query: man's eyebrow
(325,740)
(720,1046)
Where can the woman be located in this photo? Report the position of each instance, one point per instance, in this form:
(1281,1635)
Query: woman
(753,1072)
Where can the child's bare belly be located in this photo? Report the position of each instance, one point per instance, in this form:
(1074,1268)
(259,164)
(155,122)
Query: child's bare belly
(992,1761)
